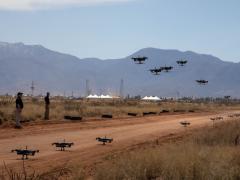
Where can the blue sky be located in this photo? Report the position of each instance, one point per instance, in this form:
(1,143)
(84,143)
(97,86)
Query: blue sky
(117,29)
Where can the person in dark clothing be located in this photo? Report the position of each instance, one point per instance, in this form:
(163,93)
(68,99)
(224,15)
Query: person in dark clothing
(47,104)
(19,108)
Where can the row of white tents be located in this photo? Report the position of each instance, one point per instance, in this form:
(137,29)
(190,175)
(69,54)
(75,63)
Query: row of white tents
(146,98)
(99,97)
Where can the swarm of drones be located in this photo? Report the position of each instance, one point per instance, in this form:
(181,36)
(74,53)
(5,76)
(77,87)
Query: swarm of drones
(157,71)
(138,60)
(60,145)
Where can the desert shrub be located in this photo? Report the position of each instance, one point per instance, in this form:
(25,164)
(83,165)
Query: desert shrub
(35,100)
(224,133)
(29,173)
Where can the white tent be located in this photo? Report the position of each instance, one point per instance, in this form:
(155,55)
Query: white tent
(105,97)
(99,97)
(93,96)
(151,98)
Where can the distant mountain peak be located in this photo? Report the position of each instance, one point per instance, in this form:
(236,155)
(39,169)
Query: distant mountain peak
(4,44)
(19,44)
(57,72)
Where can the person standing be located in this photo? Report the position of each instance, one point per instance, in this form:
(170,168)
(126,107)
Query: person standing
(47,104)
(19,108)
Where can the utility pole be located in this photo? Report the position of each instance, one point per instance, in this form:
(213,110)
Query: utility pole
(121,89)
(32,88)
(178,94)
(88,90)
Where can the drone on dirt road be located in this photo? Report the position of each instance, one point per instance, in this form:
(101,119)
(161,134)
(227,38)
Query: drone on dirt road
(213,119)
(25,152)
(104,140)
(185,123)
(63,145)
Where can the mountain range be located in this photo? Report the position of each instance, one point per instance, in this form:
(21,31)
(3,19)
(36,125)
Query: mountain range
(61,73)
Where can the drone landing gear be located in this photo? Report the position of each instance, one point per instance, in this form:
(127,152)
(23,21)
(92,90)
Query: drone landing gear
(24,157)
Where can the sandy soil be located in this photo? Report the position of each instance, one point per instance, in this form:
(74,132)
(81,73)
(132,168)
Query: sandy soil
(86,150)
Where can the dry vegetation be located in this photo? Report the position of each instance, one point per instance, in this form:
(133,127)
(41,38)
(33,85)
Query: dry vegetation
(208,154)
(27,173)
(34,108)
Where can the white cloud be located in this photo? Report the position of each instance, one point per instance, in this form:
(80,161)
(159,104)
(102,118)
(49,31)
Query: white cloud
(46,4)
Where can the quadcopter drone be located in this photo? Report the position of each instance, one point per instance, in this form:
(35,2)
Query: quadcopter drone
(139,59)
(63,145)
(182,62)
(213,119)
(156,71)
(202,82)
(166,68)
(185,123)
(216,118)
(104,140)
(25,152)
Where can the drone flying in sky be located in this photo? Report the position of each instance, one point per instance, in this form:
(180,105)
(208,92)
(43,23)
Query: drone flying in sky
(182,62)
(139,59)
(202,82)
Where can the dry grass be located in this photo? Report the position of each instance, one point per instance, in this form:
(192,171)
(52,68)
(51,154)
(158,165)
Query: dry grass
(208,154)
(28,173)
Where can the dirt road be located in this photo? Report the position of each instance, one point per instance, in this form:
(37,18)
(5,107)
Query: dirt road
(125,132)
